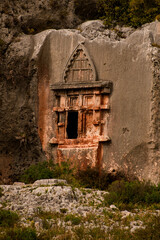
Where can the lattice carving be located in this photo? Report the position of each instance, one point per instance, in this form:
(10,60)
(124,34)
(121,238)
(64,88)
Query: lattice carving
(79,67)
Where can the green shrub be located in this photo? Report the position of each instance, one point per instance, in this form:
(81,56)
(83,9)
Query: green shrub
(75,220)
(56,232)
(45,214)
(93,178)
(158,17)
(8,218)
(20,234)
(63,170)
(132,193)
(123,12)
(42,170)
(80,232)
(128,12)
(151,231)
(89,178)
(47,170)
(114,12)
(96,233)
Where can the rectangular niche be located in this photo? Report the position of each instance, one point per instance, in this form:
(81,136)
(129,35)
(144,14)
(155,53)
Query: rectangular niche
(72,125)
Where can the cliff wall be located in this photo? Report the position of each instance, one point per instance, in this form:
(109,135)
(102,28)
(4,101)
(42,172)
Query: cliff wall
(19,140)
(30,63)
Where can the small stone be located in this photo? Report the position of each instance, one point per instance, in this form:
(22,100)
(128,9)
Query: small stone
(19,183)
(136,225)
(49,182)
(113,207)
(37,226)
(125,214)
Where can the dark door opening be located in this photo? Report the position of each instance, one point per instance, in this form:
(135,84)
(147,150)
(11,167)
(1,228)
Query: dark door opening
(72,126)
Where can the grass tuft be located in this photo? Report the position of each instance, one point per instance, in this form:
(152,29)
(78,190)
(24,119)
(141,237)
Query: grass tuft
(8,218)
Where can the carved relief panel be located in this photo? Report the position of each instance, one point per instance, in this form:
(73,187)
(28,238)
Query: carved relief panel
(85,110)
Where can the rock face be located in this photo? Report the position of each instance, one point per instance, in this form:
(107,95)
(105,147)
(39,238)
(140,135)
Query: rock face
(19,140)
(127,59)
(34,16)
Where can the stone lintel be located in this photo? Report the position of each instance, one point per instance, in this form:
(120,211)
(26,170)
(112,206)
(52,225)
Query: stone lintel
(80,108)
(106,85)
(79,142)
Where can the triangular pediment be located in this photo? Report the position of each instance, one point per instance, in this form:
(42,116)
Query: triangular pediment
(79,67)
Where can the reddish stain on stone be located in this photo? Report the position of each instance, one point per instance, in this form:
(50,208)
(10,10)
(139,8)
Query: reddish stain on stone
(43,94)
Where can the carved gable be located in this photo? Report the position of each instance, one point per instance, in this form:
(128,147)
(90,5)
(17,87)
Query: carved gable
(79,67)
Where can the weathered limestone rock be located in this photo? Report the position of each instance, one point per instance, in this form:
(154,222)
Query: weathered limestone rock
(96,29)
(49,196)
(34,16)
(49,182)
(129,128)
(33,202)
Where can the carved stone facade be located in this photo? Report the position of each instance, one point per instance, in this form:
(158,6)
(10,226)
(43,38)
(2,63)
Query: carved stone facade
(97,102)
(82,112)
